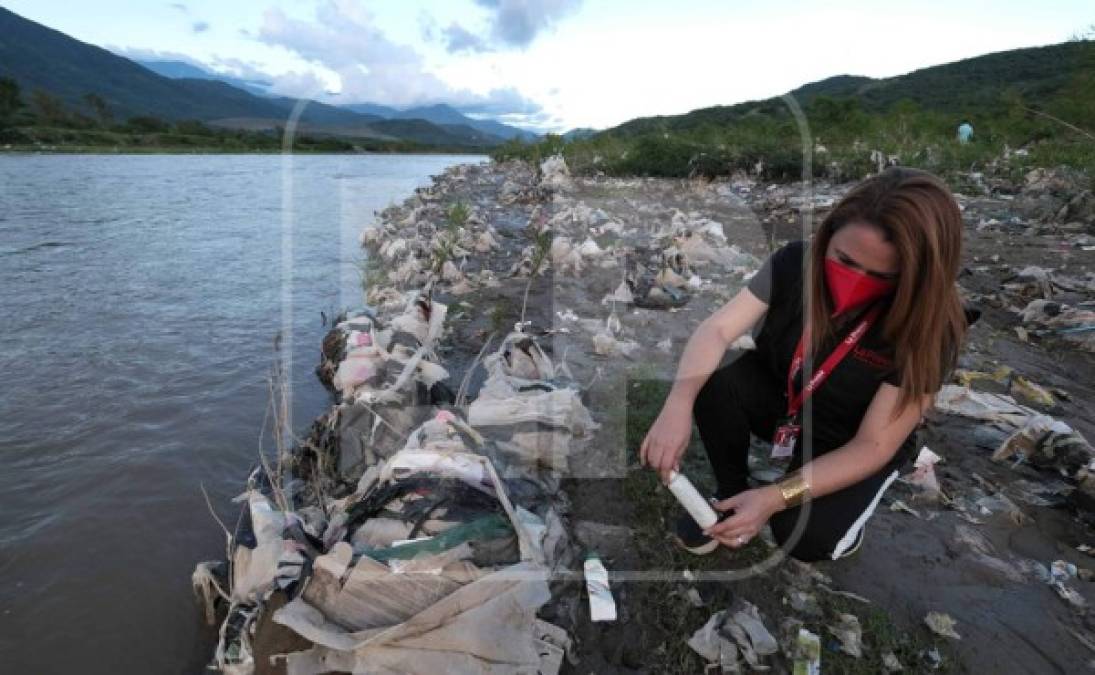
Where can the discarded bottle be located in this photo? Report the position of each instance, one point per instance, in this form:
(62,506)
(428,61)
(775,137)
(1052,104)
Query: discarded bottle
(691,500)
(602,607)
(807,649)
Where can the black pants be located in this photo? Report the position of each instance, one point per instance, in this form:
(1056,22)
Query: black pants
(742,398)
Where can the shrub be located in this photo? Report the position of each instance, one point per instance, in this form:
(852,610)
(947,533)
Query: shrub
(146,124)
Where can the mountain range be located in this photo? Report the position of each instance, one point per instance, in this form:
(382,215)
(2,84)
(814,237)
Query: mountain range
(440,114)
(41,58)
(965,87)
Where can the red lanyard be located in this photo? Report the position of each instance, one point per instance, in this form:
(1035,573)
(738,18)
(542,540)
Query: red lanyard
(795,401)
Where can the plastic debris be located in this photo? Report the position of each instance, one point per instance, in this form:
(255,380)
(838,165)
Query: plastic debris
(602,607)
(715,647)
(692,501)
(554,172)
(1047,442)
(590,249)
(406,569)
(1057,575)
(898,505)
(695,598)
(1031,392)
(606,345)
(923,475)
(804,602)
(850,634)
(748,629)
(933,657)
(890,662)
(980,405)
(622,294)
(807,653)
(742,624)
(942,624)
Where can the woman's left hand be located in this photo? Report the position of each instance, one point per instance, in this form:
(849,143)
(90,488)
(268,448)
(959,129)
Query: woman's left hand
(752,509)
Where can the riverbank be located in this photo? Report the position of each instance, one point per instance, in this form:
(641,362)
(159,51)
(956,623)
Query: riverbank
(197,138)
(498,234)
(164,263)
(212,150)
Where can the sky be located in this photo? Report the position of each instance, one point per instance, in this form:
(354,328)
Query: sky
(554,65)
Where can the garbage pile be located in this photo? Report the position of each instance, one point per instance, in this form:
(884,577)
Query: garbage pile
(1024,435)
(738,638)
(400,538)
(429,240)
(530,403)
(415,524)
(1058,195)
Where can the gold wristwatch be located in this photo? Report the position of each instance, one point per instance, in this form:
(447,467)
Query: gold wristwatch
(794,489)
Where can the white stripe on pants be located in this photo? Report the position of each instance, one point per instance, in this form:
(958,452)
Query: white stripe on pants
(849,538)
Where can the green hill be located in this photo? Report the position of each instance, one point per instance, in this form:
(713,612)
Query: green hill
(43,61)
(1017,98)
(40,58)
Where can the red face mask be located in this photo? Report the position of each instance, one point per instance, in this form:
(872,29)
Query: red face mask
(850,288)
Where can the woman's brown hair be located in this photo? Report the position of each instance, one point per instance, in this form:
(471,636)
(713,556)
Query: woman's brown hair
(925,321)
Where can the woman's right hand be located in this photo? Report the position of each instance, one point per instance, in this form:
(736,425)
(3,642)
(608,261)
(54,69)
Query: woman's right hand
(667,439)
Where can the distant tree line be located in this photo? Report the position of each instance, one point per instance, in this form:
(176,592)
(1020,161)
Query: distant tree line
(847,135)
(47,110)
(46,120)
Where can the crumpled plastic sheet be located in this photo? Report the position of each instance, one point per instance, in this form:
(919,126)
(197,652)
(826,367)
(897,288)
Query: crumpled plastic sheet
(739,628)
(850,633)
(437,611)
(980,405)
(369,352)
(923,475)
(526,394)
(487,626)
(428,614)
(256,564)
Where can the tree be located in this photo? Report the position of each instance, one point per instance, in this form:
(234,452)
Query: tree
(50,109)
(193,128)
(1084,34)
(147,124)
(10,103)
(100,108)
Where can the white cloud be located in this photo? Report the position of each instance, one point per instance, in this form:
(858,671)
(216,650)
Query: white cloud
(517,22)
(344,40)
(139,54)
(460,39)
(510,23)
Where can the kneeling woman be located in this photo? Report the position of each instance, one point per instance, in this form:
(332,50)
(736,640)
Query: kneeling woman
(876,293)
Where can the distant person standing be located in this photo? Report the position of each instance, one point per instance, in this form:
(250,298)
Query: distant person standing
(965,132)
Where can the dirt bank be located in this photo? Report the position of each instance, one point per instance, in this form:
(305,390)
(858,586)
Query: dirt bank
(614,275)
(937,560)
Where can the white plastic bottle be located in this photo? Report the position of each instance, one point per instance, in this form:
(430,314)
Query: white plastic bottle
(602,607)
(692,500)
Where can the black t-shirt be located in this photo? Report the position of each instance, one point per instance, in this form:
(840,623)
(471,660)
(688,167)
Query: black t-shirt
(840,403)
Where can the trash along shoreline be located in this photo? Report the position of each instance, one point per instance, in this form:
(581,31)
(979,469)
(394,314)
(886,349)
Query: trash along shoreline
(471,501)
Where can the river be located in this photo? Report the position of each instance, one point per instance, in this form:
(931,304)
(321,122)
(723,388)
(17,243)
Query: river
(142,296)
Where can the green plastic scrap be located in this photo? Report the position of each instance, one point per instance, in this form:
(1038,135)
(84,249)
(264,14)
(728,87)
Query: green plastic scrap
(486,528)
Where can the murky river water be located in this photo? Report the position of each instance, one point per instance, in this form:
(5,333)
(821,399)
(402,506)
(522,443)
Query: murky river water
(140,297)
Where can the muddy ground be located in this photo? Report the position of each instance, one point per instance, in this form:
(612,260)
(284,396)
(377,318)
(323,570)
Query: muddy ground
(974,566)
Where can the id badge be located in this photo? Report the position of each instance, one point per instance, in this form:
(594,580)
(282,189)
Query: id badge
(783,443)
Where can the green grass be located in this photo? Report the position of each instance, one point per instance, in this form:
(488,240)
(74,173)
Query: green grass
(764,138)
(61,139)
(662,610)
(503,314)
